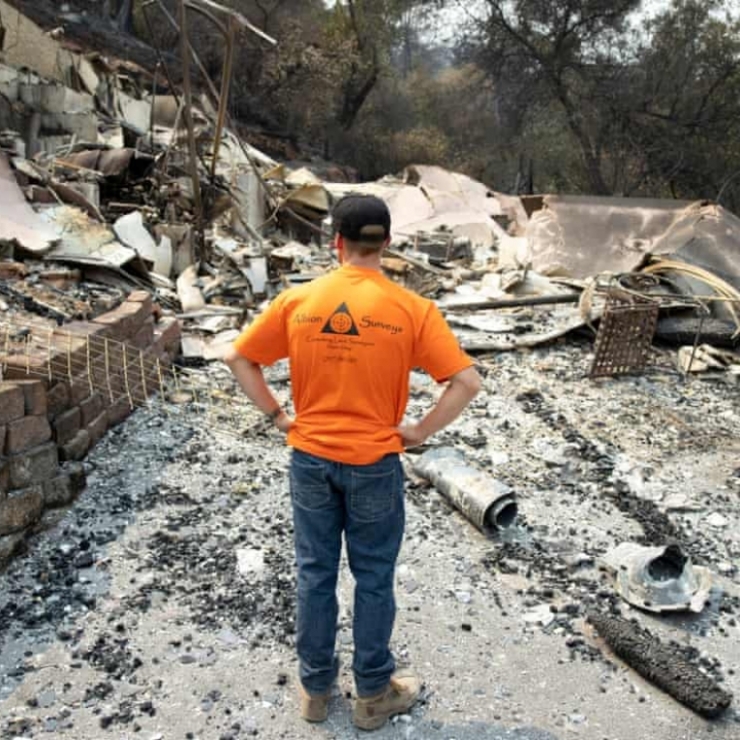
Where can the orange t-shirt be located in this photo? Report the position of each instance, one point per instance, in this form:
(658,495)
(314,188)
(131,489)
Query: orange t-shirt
(352,338)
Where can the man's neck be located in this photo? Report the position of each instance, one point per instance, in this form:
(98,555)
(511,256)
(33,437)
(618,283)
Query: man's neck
(371,262)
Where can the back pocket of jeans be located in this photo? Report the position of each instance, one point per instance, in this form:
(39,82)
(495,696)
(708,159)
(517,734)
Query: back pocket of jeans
(309,485)
(374,493)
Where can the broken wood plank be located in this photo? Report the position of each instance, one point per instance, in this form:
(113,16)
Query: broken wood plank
(420,264)
(191,297)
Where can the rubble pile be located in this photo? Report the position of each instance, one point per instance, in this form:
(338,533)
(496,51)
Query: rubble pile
(104,251)
(126,183)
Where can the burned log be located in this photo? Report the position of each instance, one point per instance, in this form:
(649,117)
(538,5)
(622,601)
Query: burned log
(662,665)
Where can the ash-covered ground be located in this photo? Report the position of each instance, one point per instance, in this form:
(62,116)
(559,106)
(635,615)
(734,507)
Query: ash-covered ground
(161,605)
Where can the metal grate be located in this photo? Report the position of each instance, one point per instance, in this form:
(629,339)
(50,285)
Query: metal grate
(625,335)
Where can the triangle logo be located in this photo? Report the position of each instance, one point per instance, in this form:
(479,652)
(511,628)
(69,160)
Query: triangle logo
(341,322)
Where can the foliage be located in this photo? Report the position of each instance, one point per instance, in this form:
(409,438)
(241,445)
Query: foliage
(688,121)
(572,93)
(540,51)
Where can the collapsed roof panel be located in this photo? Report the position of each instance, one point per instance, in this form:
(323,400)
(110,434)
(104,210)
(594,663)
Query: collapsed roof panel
(80,236)
(453,191)
(698,244)
(407,203)
(706,236)
(430,199)
(581,236)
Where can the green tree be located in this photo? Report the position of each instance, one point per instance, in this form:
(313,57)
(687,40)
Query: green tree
(564,51)
(374,29)
(687,122)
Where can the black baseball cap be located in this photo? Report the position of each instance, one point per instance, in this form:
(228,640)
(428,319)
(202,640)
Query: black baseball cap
(361,218)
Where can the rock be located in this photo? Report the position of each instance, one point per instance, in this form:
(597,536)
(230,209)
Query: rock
(539,615)
(717,520)
(250,562)
(84,560)
(46,699)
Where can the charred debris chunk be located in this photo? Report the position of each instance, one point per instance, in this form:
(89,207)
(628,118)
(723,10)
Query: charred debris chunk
(662,665)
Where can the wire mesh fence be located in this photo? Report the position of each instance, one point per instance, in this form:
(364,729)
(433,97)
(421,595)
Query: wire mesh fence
(124,374)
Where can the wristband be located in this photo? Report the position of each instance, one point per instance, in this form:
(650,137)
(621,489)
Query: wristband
(273,415)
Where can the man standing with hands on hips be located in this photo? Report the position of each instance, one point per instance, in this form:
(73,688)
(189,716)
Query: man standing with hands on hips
(352,338)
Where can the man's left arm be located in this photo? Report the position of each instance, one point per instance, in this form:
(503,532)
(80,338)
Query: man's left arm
(460,391)
(252,381)
(439,353)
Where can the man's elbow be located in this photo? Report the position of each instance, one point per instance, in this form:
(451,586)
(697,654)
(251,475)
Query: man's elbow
(470,380)
(231,357)
(236,360)
(475,383)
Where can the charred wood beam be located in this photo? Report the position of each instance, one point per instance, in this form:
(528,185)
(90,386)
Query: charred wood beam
(34,305)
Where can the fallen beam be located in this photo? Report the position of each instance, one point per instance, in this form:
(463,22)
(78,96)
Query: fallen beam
(662,666)
(535,300)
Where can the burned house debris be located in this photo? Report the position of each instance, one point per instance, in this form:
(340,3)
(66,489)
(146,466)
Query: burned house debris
(599,470)
(663,666)
(659,579)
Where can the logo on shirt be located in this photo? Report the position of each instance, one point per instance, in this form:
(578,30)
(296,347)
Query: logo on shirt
(341,322)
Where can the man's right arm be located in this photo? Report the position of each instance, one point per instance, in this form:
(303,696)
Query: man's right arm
(252,381)
(460,391)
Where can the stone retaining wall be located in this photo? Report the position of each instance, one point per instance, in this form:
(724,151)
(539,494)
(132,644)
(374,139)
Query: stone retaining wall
(54,408)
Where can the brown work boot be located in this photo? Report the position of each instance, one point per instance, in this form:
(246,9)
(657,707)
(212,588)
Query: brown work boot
(314,707)
(398,697)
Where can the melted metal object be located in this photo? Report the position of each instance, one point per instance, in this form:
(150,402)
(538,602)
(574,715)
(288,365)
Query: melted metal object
(659,579)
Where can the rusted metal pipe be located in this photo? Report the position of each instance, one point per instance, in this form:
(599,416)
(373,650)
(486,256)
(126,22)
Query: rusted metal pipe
(224,97)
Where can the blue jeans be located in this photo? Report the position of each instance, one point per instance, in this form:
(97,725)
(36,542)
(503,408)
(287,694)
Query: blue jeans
(366,503)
